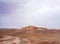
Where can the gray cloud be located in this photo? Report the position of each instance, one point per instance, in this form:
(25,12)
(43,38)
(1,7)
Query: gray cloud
(44,13)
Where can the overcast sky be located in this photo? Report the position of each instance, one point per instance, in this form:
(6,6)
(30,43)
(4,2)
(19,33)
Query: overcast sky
(43,13)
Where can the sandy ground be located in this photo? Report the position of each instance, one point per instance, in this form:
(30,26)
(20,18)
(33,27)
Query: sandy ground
(29,35)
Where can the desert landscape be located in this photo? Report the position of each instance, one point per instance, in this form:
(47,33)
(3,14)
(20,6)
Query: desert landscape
(29,35)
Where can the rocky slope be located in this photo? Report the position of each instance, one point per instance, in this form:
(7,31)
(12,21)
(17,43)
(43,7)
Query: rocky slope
(30,35)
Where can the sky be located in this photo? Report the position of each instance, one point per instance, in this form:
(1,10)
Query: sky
(19,13)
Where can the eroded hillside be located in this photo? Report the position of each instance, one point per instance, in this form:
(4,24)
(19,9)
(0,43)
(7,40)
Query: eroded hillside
(30,35)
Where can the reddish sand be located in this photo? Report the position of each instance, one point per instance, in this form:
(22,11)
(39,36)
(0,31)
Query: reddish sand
(30,35)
